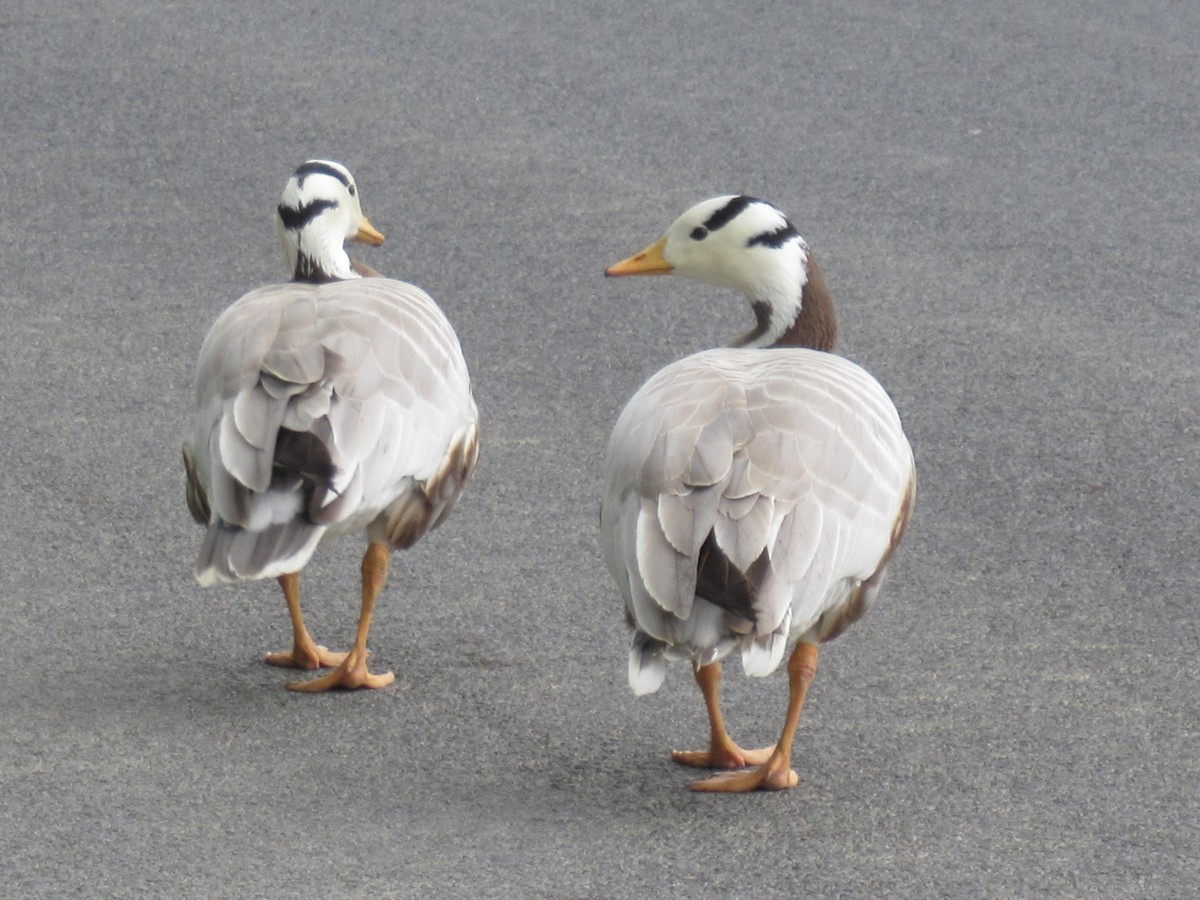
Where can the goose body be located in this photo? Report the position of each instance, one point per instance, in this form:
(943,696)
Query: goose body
(327,405)
(750,493)
(753,493)
(362,380)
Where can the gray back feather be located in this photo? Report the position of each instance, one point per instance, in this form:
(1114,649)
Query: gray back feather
(371,372)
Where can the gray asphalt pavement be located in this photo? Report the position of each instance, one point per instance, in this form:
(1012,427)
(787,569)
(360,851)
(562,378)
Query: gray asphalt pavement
(1004,200)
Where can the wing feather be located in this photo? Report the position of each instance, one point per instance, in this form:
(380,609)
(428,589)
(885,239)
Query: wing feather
(664,571)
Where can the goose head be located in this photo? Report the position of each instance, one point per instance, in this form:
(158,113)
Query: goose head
(318,212)
(749,246)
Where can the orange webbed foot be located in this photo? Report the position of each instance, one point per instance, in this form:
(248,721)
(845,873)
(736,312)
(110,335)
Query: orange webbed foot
(722,756)
(306,658)
(351,674)
(773,775)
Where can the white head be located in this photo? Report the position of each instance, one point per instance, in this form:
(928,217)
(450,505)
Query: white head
(740,243)
(318,212)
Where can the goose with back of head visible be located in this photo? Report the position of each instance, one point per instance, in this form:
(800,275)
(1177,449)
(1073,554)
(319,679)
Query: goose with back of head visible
(754,493)
(331,404)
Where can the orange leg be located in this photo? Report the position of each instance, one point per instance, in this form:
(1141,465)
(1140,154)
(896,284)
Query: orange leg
(305,653)
(776,773)
(722,752)
(352,671)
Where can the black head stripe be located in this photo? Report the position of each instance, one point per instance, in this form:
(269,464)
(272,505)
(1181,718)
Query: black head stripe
(728,212)
(776,238)
(295,219)
(316,167)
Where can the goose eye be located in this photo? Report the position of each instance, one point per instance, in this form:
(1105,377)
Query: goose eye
(699,233)
(353,191)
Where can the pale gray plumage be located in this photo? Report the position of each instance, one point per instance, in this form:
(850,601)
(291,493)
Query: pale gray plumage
(752,495)
(324,406)
(790,456)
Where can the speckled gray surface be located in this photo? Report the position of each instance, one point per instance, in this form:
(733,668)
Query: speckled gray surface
(1003,198)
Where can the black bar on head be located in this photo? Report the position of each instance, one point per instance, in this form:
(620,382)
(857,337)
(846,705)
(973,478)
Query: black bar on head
(295,219)
(776,238)
(316,167)
(728,212)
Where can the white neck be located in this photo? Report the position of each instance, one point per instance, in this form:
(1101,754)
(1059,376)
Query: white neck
(775,295)
(316,254)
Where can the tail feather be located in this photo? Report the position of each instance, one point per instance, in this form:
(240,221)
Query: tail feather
(762,655)
(230,554)
(647,664)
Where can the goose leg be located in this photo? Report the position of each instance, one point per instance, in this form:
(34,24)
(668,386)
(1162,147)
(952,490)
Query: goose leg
(305,652)
(776,773)
(352,671)
(722,752)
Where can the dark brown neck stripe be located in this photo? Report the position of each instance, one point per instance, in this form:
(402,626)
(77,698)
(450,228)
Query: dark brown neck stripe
(816,325)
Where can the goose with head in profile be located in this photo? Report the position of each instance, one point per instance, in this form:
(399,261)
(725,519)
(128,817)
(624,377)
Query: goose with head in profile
(326,405)
(754,493)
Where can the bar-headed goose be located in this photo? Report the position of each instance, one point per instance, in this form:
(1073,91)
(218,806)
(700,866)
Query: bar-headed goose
(330,404)
(753,493)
